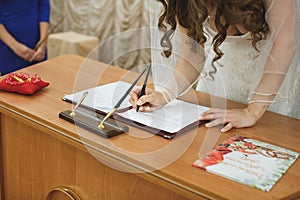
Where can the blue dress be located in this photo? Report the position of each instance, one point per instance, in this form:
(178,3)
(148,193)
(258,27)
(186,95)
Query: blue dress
(21,19)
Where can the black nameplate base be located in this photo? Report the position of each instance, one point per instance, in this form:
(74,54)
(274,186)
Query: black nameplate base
(91,122)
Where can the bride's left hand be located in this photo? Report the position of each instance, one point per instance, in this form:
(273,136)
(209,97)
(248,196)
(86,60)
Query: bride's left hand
(236,118)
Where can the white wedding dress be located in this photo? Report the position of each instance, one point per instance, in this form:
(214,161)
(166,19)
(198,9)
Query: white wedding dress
(238,71)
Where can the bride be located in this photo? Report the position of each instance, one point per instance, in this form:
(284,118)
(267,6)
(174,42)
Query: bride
(243,50)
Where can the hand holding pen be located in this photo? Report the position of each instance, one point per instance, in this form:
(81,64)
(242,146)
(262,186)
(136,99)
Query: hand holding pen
(146,99)
(108,115)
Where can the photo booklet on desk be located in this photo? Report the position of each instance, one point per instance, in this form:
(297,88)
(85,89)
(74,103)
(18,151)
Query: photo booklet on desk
(175,118)
(251,162)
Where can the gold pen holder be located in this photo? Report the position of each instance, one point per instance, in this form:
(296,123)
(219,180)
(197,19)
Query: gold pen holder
(90,121)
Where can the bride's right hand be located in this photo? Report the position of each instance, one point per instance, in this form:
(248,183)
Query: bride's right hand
(152,100)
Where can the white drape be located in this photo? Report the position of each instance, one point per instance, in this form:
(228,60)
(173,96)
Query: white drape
(104,19)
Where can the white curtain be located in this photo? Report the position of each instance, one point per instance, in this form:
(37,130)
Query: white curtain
(104,19)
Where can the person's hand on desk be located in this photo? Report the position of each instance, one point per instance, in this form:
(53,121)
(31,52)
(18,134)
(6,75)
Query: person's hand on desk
(235,118)
(152,100)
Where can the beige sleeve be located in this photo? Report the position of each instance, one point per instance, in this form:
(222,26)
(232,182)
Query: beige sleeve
(190,60)
(281,17)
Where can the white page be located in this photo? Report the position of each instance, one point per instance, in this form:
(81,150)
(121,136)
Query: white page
(104,97)
(171,118)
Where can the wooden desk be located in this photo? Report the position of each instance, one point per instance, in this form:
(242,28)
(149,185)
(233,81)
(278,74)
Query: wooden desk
(40,151)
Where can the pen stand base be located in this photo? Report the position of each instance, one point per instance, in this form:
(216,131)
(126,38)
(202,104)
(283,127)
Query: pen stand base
(92,121)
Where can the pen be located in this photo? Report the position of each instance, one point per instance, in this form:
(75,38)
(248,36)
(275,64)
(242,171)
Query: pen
(72,114)
(144,86)
(101,125)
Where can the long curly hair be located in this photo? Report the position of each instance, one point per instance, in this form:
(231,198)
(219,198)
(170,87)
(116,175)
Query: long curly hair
(191,14)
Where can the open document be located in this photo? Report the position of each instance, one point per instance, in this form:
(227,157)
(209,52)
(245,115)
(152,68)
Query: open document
(176,116)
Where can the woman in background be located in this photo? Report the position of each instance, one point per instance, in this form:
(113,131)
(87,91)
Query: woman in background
(242,48)
(23,23)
